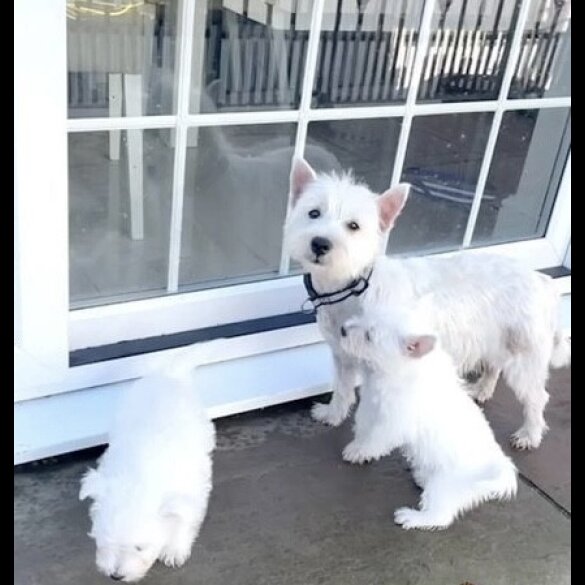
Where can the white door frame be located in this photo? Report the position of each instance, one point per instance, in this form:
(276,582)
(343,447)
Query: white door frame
(40,193)
(46,330)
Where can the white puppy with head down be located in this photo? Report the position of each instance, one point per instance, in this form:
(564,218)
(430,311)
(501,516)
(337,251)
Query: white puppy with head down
(151,487)
(412,399)
(489,311)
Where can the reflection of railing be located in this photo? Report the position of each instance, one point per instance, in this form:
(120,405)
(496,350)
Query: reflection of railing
(467,55)
(366,57)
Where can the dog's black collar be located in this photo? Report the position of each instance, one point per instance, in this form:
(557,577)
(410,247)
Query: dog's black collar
(354,289)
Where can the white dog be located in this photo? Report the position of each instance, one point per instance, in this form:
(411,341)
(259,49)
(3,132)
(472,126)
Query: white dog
(488,310)
(413,399)
(152,485)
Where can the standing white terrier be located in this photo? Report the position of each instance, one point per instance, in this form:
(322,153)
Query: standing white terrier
(152,485)
(488,310)
(413,399)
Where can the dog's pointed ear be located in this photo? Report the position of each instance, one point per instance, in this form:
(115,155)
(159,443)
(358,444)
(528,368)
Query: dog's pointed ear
(418,345)
(391,203)
(91,485)
(177,506)
(301,175)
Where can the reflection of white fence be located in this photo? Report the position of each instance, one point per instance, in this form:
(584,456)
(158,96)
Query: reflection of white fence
(101,42)
(255,51)
(367,56)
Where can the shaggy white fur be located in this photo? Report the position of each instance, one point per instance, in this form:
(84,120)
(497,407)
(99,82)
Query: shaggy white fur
(488,310)
(152,485)
(413,399)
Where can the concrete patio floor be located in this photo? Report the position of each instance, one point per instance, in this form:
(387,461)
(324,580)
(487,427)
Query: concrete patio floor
(286,510)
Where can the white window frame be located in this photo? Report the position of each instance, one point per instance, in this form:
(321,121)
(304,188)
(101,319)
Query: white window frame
(46,329)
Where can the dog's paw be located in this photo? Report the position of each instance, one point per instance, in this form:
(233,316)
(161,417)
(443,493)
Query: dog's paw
(356,452)
(404,517)
(328,414)
(482,397)
(478,394)
(409,518)
(175,556)
(523,440)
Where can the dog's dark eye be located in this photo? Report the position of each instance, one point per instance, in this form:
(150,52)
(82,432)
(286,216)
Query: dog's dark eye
(353,226)
(314,213)
(139,548)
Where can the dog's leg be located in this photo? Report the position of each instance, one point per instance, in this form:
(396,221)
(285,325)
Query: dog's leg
(343,398)
(483,389)
(419,478)
(370,448)
(527,378)
(526,371)
(373,436)
(440,504)
(178,548)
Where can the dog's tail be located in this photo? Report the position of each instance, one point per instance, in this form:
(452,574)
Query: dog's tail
(453,495)
(561,351)
(561,354)
(498,482)
(185,360)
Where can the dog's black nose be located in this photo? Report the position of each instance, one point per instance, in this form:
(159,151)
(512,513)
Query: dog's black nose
(116,576)
(343,331)
(320,246)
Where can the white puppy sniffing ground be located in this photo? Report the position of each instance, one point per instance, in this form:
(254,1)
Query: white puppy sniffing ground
(488,310)
(151,487)
(412,399)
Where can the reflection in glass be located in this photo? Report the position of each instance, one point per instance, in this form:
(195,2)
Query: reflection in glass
(368,147)
(236,190)
(524,175)
(248,55)
(544,64)
(468,50)
(121,57)
(119,216)
(443,160)
(366,52)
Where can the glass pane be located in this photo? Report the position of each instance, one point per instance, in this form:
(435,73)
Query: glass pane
(443,160)
(524,176)
(249,55)
(544,65)
(119,215)
(468,50)
(236,190)
(366,146)
(366,52)
(120,57)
